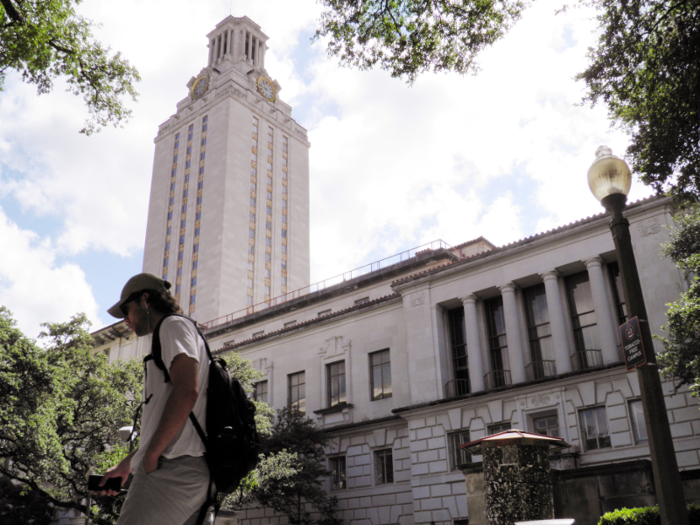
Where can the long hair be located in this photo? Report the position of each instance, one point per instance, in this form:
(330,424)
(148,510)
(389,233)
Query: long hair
(162,302)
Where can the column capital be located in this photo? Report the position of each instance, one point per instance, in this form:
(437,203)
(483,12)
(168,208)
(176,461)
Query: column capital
(508,287)
(550,274)
(593,262)
(469,299)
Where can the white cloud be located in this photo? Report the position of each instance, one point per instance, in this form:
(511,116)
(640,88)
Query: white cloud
(34,286)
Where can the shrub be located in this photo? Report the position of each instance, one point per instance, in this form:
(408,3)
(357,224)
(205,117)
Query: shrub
(644,516)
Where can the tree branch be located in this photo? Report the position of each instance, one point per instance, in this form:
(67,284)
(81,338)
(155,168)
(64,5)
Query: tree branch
(12,12)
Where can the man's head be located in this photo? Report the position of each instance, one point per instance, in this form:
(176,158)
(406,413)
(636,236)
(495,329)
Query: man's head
(144,299)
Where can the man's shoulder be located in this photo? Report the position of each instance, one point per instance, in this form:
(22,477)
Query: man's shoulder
(178,324)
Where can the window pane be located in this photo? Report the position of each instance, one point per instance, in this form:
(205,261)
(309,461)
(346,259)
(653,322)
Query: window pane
(638,422)
(337,468)
(380,374)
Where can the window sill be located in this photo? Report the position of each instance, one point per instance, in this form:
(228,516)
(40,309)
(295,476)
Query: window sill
(333,409)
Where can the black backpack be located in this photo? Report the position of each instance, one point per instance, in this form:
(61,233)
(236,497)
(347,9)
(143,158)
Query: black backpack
(232,441)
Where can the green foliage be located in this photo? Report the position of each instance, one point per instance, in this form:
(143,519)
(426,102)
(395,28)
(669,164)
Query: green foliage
(646,69)
(644,516)
(46,39)
(410,37)
(681,358)
(62,408)
(301,493)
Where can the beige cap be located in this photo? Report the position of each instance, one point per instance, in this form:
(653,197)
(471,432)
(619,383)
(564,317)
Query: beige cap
(138,283)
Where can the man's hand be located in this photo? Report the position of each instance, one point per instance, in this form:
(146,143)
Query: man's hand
(121,470)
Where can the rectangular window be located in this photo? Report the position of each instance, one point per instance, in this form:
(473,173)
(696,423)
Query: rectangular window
(583,319)
(539,333)
(268,257)
(639,426)
(498,345)
(260,391)
(296,398)
(284,265)
(384,466)
(284,236)
(194,282)
(546,425)
(336,383)
(268,225)
(458,456)
(380,374)
(498,427)
(204,141)
(284,204)
(269,195)
(252,201)
(201,170)
(594,429)
(267,289)
(337,467)
(284,248)
(460,362)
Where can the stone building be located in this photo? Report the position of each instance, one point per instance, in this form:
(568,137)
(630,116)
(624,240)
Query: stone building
(228,218)
(405,359)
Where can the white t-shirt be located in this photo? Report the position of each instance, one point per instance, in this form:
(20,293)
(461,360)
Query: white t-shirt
(177,336)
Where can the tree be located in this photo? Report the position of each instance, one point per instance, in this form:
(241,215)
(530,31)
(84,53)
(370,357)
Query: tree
(46,39)
(681,358)
(61,409)
(645,67)
(410,37)
(300,493)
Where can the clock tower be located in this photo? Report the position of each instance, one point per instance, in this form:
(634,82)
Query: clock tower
(228,219)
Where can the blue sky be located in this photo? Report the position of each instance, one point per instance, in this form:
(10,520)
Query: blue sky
(503,154)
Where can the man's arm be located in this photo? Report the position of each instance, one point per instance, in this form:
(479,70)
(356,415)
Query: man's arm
(118,471)
(184,376)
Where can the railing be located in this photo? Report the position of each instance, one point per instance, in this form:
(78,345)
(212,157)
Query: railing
(457,387)
(327,283)
(540,369)
(497,378)
(582,359)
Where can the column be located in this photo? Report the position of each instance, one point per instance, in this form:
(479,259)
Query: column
(562,354)
(603,316)
(439,346)
(476,364)
(515,347)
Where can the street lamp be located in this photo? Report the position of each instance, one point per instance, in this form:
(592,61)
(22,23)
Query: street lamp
(609,179)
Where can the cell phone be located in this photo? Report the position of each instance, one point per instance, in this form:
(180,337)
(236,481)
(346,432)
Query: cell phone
(111,484)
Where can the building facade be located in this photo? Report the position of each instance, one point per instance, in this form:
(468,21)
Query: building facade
(228,218)
(406,359)
(403,364)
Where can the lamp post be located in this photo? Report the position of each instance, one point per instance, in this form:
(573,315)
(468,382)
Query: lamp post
(609,179)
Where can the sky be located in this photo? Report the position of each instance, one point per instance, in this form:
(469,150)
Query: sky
(502,154)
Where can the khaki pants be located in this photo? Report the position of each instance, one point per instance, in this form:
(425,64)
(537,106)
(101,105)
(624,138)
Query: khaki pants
(173,494)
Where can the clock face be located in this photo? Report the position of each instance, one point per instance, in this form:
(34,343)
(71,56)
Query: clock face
(200,86)
(266,89)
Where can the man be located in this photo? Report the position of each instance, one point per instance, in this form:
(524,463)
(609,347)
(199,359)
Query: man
(171,477)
